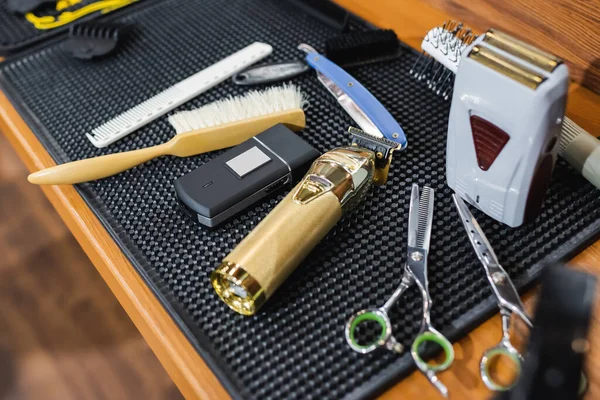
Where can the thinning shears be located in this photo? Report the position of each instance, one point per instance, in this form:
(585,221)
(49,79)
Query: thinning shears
(506,295)
(415,271)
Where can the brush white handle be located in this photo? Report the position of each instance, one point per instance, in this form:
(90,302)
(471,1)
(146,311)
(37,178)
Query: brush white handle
(581,150)
(177,94)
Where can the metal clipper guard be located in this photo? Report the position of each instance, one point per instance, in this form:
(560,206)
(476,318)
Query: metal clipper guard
(335,183)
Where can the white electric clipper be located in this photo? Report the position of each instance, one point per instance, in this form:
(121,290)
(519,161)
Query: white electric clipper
(508,104)
(439,62)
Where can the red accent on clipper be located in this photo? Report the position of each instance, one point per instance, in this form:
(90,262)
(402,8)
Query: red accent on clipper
(539,186)
(489,141)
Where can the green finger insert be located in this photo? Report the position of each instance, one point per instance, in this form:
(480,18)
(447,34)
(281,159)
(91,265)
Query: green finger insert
(367,316)
(440,340)
(583,384)
(493,353)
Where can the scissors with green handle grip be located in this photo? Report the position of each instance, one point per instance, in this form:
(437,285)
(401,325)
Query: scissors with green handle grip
(506,294)
(415,271)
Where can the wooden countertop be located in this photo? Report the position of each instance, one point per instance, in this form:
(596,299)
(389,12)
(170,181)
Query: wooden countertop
(411,20)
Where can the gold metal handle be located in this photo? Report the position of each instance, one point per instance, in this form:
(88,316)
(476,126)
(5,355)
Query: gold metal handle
(252,272)
(335,183)
(182,145)
(94,168)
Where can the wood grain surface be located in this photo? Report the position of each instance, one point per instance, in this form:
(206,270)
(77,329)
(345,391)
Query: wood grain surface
(185,366)
(567,28)
(411,20)
(63,335)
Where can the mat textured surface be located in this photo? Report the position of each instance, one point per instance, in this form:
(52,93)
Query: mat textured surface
(294,348)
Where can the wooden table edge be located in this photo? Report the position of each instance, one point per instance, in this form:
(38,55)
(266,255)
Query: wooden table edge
(179,358)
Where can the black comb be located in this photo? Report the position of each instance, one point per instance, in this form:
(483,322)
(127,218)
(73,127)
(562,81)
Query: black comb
(364,47)
(90,40)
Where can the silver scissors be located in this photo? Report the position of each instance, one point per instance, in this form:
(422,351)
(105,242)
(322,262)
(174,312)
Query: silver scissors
(415,271)
(509,301)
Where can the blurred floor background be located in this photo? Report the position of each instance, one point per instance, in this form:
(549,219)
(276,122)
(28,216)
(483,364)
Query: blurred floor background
(63,335)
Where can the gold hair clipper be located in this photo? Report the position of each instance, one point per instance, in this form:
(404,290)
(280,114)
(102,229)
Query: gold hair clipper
(336,182)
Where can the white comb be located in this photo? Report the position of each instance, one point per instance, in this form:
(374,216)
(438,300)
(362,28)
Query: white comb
(167,100)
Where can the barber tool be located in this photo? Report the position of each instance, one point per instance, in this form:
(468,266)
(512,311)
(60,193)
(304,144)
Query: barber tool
(357,48)
(327,11)
(506,294)
(347,50)
(228,184)
(443,48)
(359,103)
(420,219)
(90,40)
(270,73)
(215,126)
(559,338)
(335,183)
(167,100)
(507,109)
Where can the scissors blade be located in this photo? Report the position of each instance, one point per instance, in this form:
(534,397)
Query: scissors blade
(425,217)
(482,247)
(419,233)
(502,285)
(420,217)
(413,216)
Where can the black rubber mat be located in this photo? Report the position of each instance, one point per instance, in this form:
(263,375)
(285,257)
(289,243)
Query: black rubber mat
(294,348)
(17,33)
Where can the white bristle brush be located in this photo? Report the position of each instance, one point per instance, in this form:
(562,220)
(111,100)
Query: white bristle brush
(222,124)
(442,51)
(252,104)
(174,96)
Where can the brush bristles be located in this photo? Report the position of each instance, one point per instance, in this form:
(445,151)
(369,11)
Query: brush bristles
(252,104)
(570,131)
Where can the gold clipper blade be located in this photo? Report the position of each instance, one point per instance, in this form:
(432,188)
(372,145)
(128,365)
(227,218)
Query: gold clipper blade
(505,66)
(522,50)
(383,149)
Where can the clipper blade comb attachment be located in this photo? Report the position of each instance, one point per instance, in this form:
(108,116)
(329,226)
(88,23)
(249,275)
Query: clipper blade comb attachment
(442,49)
